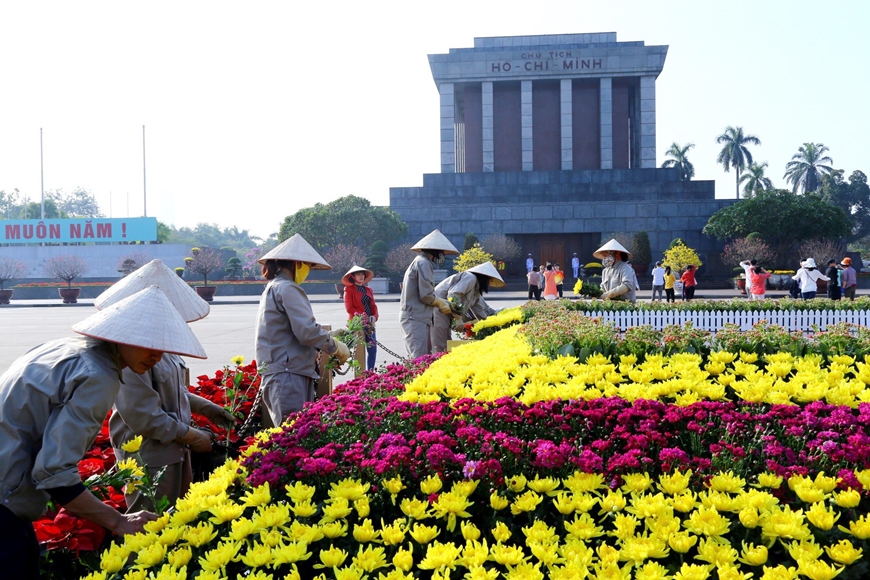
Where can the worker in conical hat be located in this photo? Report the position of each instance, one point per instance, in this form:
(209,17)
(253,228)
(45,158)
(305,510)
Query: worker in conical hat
(157,404)
(359,300)
(53,401)
(418,301)
(464,294)
(618,280)
(287,337)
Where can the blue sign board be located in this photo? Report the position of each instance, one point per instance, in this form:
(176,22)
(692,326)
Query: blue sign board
(142,229)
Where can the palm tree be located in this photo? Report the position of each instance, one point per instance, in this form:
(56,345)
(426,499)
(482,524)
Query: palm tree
(755,179)
(806,167)
(680,160)
(734,153)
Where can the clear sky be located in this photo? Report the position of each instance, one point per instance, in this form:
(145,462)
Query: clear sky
(254,110)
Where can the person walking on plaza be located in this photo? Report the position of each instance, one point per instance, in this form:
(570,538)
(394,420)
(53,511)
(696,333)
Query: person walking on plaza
(848,278)
(359,300)
(688,280)
(530,264)
(560,278)
(833,272)
(534,280)
(53,401)
(418,301)
(156,404)
(465,290)
(658,276)
(550,290)
(287,336)
(670,279)
(748,266)
(759,277)
(618,281)
(807,277)
(575,265)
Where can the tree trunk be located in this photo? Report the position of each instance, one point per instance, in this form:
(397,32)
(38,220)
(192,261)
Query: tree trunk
(737,181)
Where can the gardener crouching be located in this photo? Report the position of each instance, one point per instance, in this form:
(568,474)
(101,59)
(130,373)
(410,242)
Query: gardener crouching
(618,280)
(53,401)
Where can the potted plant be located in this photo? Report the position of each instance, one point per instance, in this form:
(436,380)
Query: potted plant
(641,256)
(180,272)
(10,269)
(66,267)
(233,269)
(204,261)
(375,262)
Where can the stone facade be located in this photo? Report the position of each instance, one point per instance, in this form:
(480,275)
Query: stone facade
(552,140)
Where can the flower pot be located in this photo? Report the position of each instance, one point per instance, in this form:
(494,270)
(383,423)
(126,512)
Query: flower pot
(69,295)
(741,284)
(206,292)
(5,295)
(340,289)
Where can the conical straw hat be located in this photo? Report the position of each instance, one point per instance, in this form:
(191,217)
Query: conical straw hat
(156,273)
(146,319)
(487,269)
(611,246)
(435,241)
(348,280)
(296,249)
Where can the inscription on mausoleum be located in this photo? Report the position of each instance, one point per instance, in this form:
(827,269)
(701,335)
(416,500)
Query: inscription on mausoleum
(531,62)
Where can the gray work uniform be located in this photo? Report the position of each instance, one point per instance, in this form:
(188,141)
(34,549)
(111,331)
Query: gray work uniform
(157,405)
(620,273)
(415,306)
(286,341)
(53,401)
(464,288)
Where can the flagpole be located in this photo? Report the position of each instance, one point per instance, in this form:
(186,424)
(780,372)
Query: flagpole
(41,179)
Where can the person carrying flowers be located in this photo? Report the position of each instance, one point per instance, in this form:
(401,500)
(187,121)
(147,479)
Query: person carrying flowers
(418,301)
(359,300)
(618,280)
(464,292)
(156,404)
(287,337)
(53,401)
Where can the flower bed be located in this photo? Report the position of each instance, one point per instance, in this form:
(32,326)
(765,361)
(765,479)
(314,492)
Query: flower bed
(70,543)
(648,455)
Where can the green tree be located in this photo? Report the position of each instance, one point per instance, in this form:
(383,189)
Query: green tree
(80,203)
(164,232)
(376,256)
(641,253)
(470,240)
(807,166)
(349,220)
(853,197)
(782,218)
(734,153)
(680,160)
(755,180)
(33,210)
(212,236)
(9,207)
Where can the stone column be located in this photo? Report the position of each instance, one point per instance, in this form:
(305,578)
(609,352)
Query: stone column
(647,122)
(567,125)
(448,135)
(486,124)
(526,124)
(606,119)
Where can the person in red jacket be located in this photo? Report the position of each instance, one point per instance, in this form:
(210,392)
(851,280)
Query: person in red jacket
(688,279)
(360,300)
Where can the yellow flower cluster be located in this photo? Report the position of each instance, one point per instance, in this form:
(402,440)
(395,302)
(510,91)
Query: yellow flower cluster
(503,365)
(506,316)
(599,532)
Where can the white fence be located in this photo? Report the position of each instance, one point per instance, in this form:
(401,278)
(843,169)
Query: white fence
(791,320)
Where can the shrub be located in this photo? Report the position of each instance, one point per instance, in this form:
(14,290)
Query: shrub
(132,262)
(470,241)
(502,248)
(10,269)
(641,253)
(747,249)
(343,256)
(233,267)
(204,261)
(678,256)
(821,251)
(377,254)
(399,258)
(66,267)
(471,257)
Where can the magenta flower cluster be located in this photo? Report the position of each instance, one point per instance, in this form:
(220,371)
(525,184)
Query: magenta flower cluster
(363,431)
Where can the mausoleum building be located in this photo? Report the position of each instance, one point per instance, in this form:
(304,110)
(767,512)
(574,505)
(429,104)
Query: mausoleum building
(552,141)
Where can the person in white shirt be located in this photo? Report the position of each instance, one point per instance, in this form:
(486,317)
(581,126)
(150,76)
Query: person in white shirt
(807,277)
(658,275)
(747,266)
(575,265)
(530,264)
